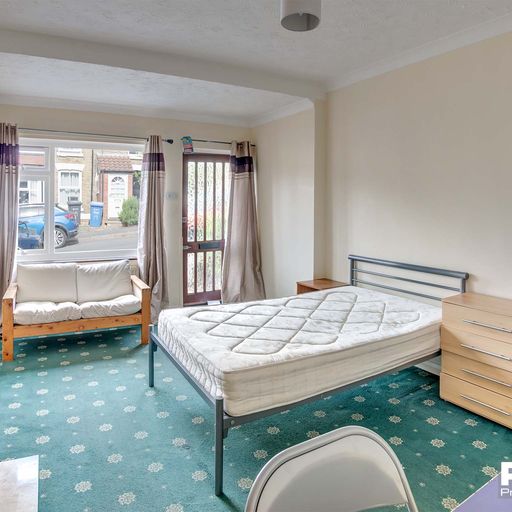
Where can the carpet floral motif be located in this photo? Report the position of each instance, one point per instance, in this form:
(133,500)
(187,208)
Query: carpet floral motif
(107,442)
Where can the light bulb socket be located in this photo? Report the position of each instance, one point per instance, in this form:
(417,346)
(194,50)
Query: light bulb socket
(300,15)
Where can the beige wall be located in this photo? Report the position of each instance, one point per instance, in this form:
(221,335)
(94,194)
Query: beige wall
(70,120)
(286,184)
(419,166)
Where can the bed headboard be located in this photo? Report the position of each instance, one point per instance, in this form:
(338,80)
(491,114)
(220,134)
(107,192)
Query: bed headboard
(356,270)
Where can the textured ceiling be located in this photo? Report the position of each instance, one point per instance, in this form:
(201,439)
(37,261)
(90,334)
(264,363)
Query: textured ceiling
(352,34)
(219,36)
(150,93)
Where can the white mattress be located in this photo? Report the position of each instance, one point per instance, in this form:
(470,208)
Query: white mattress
(259,355)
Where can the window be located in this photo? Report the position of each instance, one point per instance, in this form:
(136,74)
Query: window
(74,194)
(70,186)
(31,191)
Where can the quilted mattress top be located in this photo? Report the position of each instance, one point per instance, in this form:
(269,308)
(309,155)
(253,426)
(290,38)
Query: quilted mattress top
(236,337)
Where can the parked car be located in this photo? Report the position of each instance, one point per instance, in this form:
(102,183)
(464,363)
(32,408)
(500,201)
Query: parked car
(28,238)
(66,225)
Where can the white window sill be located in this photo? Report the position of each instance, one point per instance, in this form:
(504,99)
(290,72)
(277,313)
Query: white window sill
(33,257)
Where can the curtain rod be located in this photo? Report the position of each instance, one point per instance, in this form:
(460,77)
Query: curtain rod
(109,135)
(170,141)
(216,141)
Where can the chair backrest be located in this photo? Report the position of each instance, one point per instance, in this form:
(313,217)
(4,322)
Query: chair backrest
(347,470)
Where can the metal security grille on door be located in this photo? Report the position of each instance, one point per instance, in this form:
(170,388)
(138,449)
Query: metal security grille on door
(205,209)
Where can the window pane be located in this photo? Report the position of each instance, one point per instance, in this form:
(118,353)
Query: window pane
(31,219)
(219,172)
(191,270)
(97,196)
(218,270)
(200,272)
(191,202)
(33,157)
(200,201)
(209,201)
(209,271)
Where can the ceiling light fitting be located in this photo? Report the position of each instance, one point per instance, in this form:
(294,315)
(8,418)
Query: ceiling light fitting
(300,15)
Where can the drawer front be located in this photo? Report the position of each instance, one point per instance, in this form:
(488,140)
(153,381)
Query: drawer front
(481,349)
(475,321)
(304,289)
(479,400)
(489,377)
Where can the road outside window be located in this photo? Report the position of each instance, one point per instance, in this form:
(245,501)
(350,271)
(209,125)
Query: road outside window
(84,197)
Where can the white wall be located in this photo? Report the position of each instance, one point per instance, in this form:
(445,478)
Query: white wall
(286,184)
(419,166)
(70,120)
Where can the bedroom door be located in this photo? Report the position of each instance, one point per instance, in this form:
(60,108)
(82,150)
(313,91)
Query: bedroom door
(205,209)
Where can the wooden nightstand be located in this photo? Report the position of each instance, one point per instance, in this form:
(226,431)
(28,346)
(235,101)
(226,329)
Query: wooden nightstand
(476,360)
(317,284)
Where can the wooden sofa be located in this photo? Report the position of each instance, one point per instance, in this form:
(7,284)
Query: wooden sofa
(106,296)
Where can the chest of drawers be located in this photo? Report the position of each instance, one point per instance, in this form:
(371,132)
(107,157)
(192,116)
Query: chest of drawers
(476,361)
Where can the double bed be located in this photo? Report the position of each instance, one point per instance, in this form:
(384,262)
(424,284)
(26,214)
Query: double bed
(254,359)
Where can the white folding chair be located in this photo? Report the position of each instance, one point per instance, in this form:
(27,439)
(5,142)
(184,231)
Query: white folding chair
(350,469)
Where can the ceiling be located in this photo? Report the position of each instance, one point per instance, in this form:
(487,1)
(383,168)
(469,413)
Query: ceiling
(235,43)
(86,86)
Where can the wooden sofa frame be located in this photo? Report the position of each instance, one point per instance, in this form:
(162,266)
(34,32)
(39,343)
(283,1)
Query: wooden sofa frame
(10,331)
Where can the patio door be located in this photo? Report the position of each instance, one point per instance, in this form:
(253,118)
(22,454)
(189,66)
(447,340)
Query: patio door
(205,209)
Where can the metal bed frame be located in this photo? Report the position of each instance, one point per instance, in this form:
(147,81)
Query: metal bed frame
(223,421)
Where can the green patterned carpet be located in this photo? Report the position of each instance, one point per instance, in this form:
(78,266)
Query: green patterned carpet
(107,442)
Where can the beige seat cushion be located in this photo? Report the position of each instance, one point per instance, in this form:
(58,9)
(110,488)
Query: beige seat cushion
(103,281)
(39,312)
(124,305)
(54,282)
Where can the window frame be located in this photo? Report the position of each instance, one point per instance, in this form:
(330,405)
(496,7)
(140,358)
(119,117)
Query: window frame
(50,175)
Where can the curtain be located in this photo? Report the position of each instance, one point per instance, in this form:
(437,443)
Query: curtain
(9,163)
(242,279)
(151,253)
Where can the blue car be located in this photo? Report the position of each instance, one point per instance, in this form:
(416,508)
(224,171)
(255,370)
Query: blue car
(66,225)
(28,238)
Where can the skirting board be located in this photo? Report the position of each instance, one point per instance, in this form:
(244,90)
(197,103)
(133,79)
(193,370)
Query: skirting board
(432,365)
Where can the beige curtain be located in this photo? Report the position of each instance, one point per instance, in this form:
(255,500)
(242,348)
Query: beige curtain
(9,164)
(151,253)
(242,279)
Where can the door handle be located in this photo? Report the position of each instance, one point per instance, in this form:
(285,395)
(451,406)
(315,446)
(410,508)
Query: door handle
(186,247)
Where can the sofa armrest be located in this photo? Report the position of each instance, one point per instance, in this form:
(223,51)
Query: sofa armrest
(143,292)
(139,286)
(10,293)
(8,305)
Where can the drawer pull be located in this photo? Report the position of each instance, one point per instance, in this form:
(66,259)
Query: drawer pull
(476,349)
(476,374)
(485,405)
(489,326)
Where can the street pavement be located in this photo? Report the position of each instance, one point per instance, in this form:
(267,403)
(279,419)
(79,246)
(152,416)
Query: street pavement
(111,237)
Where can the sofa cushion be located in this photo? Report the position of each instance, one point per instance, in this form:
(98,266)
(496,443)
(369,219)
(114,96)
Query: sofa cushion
(103,281)
(53,282)
(40,312)
(124,305)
